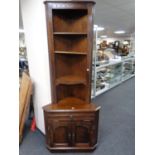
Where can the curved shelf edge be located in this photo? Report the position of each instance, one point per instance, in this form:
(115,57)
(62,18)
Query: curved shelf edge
(70,80)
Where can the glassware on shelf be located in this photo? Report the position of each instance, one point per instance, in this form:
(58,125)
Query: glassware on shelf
(128,69)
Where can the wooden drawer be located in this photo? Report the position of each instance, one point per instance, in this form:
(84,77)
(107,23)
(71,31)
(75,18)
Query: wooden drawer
(71,116)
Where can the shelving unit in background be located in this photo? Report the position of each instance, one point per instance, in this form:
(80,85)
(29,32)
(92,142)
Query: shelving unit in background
(23,62)
(108,74)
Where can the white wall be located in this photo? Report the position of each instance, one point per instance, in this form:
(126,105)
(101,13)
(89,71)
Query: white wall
(33,13)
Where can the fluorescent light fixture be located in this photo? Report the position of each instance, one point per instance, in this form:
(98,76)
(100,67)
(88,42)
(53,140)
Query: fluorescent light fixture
(119,32)
(98,28)
(95,26)
(21,30)
(104,36)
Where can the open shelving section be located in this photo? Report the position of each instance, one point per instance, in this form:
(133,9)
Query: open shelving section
(70,54)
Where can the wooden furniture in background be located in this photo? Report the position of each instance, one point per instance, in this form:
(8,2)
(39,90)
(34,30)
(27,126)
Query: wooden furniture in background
(71,121)
(24,100)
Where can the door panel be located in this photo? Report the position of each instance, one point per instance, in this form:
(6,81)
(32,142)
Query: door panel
(61,132)
(81,134)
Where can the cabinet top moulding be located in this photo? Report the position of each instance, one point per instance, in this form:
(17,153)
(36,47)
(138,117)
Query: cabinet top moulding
(73,1)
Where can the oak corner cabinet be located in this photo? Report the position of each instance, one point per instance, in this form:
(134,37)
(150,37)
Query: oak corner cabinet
(71,121)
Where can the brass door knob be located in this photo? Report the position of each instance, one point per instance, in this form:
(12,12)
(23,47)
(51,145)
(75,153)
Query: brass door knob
(88,70)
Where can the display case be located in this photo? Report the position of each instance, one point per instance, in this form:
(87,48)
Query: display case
(23,61)
(128,68)
(111,70)
(111,74)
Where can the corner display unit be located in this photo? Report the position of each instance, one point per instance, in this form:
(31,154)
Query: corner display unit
(71,121)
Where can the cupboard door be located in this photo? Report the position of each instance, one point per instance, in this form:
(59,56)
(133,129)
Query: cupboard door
(81,133)
(59,132)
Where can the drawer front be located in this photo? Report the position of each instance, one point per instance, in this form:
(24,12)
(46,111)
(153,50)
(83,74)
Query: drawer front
(70,116)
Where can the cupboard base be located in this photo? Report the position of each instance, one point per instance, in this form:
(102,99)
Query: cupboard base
(72,128)
(71,148)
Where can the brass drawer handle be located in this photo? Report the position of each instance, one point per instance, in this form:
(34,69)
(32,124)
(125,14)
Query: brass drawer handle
(73,135)
(69,136)
(71,117)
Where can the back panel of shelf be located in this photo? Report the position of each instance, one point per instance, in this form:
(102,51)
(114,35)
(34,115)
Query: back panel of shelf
(76,43)
(71,91)
(70,20)
(66,65)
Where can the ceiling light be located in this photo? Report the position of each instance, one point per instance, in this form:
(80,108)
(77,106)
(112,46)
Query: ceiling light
(104,36)
(119,32)
(98,28)
(95,26)
(21,30)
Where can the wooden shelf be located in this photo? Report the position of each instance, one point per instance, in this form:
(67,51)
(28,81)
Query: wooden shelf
(71,101)
(70,52)
(69,33)
(70,80)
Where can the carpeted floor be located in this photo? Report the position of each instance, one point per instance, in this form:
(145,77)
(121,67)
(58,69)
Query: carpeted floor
(116,125)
